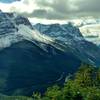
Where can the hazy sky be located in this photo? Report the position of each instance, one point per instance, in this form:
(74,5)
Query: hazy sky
(53,9)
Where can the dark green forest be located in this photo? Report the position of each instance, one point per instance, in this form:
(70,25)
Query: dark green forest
(82,85)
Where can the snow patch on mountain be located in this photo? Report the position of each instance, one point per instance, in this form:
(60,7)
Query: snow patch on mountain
(29,34)
(26,33)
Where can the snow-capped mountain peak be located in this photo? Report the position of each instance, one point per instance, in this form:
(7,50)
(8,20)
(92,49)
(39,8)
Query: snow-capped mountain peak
(66,37)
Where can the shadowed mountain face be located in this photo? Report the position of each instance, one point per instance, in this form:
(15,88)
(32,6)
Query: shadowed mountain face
(31,61)
(29,68)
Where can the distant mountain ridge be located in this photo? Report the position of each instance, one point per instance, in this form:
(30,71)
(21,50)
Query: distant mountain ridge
(71,36)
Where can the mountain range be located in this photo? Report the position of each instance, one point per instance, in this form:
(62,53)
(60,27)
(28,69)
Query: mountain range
(35,57)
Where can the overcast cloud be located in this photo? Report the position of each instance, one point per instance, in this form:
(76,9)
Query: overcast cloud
(54,9)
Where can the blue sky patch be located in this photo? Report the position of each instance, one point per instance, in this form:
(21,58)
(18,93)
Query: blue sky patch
(8,1)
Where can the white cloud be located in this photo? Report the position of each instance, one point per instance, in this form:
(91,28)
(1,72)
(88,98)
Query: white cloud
(54,9)
(19,6)
(47,21)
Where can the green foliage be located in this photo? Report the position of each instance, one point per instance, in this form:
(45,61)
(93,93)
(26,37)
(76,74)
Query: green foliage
(4,97)
(54,93)
(36,96)
(85,85)
(86,75)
